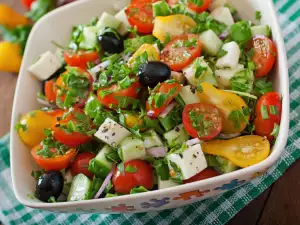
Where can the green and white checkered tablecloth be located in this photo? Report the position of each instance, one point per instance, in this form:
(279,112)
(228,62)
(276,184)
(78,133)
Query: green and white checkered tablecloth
(217,210)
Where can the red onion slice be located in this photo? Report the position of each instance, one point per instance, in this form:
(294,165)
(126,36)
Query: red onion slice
(224,35)
(193,142)
(157,152)
(105,182)
(164,113)
(228,136)
(98,68)
(150,113)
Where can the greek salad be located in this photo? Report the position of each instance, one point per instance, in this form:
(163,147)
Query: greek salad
(161,94)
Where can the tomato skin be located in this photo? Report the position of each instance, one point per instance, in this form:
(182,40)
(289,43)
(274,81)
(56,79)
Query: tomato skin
(211,113)
(56,163)
(204,174)
(81,164)
(164,88)
(110,100)
(200,9)
(49,91)
(264,55)
(172,2)
(140,14)
(70,139)
(124,182)
(264,127)
(80,59)
(27,3)
(59,82)
(175,57)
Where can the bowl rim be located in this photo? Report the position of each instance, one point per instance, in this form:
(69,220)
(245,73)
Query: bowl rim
(278,148)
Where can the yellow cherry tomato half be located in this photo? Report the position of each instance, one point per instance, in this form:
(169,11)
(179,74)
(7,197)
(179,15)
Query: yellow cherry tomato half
(132,120)
(152,52)
(242,151)
(227,102)
(31,127)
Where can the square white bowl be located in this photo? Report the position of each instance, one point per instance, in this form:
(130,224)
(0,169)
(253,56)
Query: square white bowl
(57,26)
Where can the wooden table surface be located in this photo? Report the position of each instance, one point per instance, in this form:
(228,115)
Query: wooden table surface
(278,205)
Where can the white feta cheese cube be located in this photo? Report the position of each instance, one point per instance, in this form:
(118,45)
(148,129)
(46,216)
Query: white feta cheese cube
(123,28)
(223,14)
(111,133)
(191,162)
(46,65)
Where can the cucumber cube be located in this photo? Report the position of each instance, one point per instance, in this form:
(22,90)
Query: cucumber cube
(211,42)
(107,20)
(188,95)
(261,30)
(132,148)
(176,137)
(100,166)
(79,188)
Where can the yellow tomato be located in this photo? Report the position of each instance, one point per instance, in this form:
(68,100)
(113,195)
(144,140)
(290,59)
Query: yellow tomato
(242,151)
(172,26)
(10,18)
(11,51)
(132,120)
(226,102)
(152,52)
(32,127)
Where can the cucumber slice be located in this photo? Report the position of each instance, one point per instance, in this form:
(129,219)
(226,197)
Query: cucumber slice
(161,8)
(123,28)
(89,38)
(131,148)
(188,95)
(151,139)
(176,137)
(79,189)
(100,166)
(223,76)
(225,166)
(199,72)
(261,30)
(211,42)
(223,14)
(172,119)
(231,59)
(107,20)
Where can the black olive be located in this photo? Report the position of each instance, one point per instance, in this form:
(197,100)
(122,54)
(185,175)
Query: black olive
(111,41)
(50,184)
(152,73)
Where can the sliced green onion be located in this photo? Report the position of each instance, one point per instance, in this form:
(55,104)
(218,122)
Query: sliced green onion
(273,110)
(275,131)
(264,112)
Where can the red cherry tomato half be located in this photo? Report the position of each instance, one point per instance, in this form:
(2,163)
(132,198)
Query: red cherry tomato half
(81,58)
(264,55)
(27,3)
(207,127)
(201,8)
(205,174)
(164,88)
(49,91)
(72,139)
(173,2)
(61,85)
(271,102)
(140,14)
(123,182)
(181,51)
(57,163)
(110,100)
(81,164)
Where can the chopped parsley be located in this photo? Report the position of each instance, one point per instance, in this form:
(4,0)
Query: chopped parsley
(262,86)
(120,167)
(137,190)
(264,112)
(275,131)
(131,169)
(37,173)
(241,32)
(160,98)
(242,81)
(239,116)
(20,126)
(200,70)
(198,3)
(51,200)
(199,123)
(161,168)
(139,60)
(258,15)
(175,173)
(222,53)
(50,147)
(113,157)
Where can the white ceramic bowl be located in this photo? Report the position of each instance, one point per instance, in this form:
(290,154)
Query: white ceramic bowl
(56,26)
